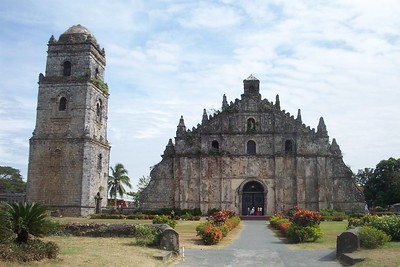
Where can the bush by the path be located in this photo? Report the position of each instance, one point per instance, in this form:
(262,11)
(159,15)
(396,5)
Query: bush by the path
(218,226)
(299,226)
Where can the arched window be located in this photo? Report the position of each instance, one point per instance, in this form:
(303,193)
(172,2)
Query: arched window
(215,144)
(289,146)
(96,74)
(99,109)
(251,124)
(251,147)
(62,105)
(67,68)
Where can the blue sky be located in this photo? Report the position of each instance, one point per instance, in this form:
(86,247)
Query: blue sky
(336,59)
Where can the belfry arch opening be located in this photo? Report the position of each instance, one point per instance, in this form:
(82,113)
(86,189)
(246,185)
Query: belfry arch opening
(253,199)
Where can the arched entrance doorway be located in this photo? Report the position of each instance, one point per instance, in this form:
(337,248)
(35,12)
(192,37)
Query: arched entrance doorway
(253,196)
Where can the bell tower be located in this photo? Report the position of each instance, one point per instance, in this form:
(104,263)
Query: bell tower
(69,151)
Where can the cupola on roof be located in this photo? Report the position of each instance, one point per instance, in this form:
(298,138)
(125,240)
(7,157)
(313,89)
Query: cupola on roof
(76,34)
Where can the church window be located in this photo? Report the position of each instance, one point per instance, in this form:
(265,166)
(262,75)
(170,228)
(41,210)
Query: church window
(251,125)
(96,74)
(67,68)
(288,146)
(251,147)
(214,147)
(62,105)
(99,109)
(99,162)
(215,144)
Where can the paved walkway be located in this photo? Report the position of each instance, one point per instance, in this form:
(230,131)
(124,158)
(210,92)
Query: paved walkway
(257,246)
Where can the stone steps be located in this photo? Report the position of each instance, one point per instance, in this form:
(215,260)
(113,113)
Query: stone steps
(254,217)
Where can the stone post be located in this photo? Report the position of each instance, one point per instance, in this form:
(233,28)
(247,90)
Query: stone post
(97,200)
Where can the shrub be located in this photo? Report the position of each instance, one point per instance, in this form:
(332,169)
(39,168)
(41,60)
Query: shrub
(306,218)
(389,224)
(164,219)
(107,216)
(224,230)
(283,226)
(301,234)
(33,250)
(276,219)
(209,233)
(136,216)
(370,237)
(187,216)
(146,235)
(23,219)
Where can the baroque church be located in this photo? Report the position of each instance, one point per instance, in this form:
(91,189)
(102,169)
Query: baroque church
(252,154)
(249,154)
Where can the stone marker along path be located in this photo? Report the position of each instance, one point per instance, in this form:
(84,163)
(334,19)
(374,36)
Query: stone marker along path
(257,246)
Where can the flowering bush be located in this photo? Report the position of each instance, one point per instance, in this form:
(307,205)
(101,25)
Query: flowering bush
(219,217)
(306,218)
(209,233)
(217,226)
(276,219)
(389,224)
(284,226)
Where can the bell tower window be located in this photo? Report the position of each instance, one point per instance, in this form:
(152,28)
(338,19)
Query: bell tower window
(62,105)
(288,147)
(67,68)
(99,110)
(251,147)
(251,125)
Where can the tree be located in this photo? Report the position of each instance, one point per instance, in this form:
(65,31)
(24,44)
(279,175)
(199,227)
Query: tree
(11,180)
(23,219)
(142,184)
(383,188)
(363,176)
(117,180)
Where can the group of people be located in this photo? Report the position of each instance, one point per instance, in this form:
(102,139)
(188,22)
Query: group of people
(254,211)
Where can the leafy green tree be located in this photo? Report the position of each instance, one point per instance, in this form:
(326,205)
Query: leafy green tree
(142,184)
(383,188)
(117,180)
(363,176)
(23,219)
(11,180)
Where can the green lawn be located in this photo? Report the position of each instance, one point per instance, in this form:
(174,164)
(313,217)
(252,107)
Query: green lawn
(386,256)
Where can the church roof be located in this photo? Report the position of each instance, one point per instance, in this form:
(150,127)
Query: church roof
(251,78)
(77,34)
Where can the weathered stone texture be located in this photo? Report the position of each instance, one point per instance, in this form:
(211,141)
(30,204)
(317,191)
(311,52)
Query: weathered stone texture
(69,151)
(252,152)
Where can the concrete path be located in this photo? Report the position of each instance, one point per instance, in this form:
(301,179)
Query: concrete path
(257,246)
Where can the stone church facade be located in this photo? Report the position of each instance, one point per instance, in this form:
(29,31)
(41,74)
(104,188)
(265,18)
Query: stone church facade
(252,154)
(69,151)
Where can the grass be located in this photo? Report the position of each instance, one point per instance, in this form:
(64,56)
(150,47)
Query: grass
(386,256)
(331,230)
(90,251)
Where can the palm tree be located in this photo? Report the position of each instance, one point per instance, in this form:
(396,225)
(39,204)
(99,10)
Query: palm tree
(23,219)
(117,180)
